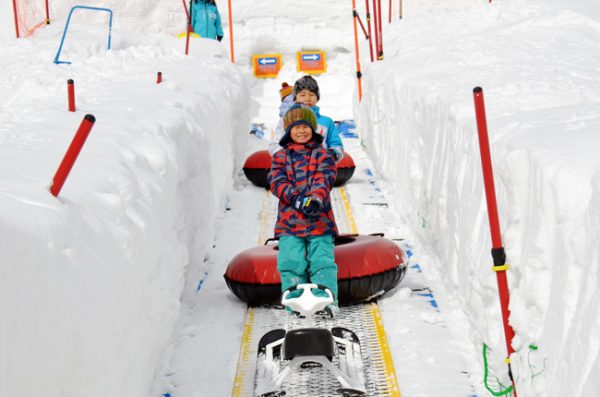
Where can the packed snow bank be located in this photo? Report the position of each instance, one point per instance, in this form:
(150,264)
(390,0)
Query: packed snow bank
(90,281)
(7,26)
(537,63)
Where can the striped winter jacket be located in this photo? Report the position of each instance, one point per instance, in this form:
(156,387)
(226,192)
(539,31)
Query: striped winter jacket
(308,170)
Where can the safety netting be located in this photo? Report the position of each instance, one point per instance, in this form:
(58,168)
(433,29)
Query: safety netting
(164,16)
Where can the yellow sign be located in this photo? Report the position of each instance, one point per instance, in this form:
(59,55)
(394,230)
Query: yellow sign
(311,62)
(266,65)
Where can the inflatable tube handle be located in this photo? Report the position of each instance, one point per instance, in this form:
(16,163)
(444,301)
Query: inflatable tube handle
(307,304)
(267,241)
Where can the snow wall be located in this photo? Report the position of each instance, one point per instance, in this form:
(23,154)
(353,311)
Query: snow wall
(90,283)
(7,24)
(419,127)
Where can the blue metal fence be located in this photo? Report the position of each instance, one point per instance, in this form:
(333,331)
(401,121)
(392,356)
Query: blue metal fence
(62,41)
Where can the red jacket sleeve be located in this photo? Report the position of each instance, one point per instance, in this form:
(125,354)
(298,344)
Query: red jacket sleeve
(278,178)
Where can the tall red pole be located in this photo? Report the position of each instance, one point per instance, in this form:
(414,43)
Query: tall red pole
(231,32)
(498,254)
(356,51)
(187,41)
(376,28)
(369,30)
(71,94)
(47,14)
(362,26)
(16,17)
(390,12)
(189,28)
(379,19)
(72,152)
(187,13)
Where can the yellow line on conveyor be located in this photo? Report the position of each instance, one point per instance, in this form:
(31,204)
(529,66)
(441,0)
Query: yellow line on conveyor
(390,372)
(239,382)
(388,363)
(240,373)
(349,216)
(264,218)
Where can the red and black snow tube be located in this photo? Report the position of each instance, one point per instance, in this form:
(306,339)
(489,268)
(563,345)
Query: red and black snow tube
(368,266)
(257,167)
(258,164)
(345,170)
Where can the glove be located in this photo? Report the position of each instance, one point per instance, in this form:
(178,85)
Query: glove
(297,202)
(219,38)
(336,153)
(312,206)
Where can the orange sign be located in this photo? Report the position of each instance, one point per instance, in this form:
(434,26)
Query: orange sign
(266,65)
(311,62)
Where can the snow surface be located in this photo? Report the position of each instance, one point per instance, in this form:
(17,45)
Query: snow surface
(116,286)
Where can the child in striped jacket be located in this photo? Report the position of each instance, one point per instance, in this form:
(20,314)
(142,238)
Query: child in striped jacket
(302,175)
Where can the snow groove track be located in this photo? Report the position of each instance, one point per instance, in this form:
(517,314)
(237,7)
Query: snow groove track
(364,319)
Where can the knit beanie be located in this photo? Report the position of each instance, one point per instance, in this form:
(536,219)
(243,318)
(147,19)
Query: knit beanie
(307,83)
(285,90)
(299,114)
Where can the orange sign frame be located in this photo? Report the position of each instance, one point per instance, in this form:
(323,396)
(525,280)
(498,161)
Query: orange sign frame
(311,62)
(266,65)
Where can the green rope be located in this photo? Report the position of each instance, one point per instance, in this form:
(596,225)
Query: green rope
(505,391)
(532,348)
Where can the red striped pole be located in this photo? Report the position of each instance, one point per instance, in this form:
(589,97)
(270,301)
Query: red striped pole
(16,17)
(71,94)
(72,152)
(498,254)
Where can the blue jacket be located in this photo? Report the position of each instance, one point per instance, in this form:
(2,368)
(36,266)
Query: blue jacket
(286,104)
(206,20)
(328,130)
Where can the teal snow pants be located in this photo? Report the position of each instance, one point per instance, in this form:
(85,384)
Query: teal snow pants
(307,259)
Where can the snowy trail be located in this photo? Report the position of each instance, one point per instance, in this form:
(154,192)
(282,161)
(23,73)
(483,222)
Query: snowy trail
(422,346)
(204,352)
(429,359)
(92,283)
